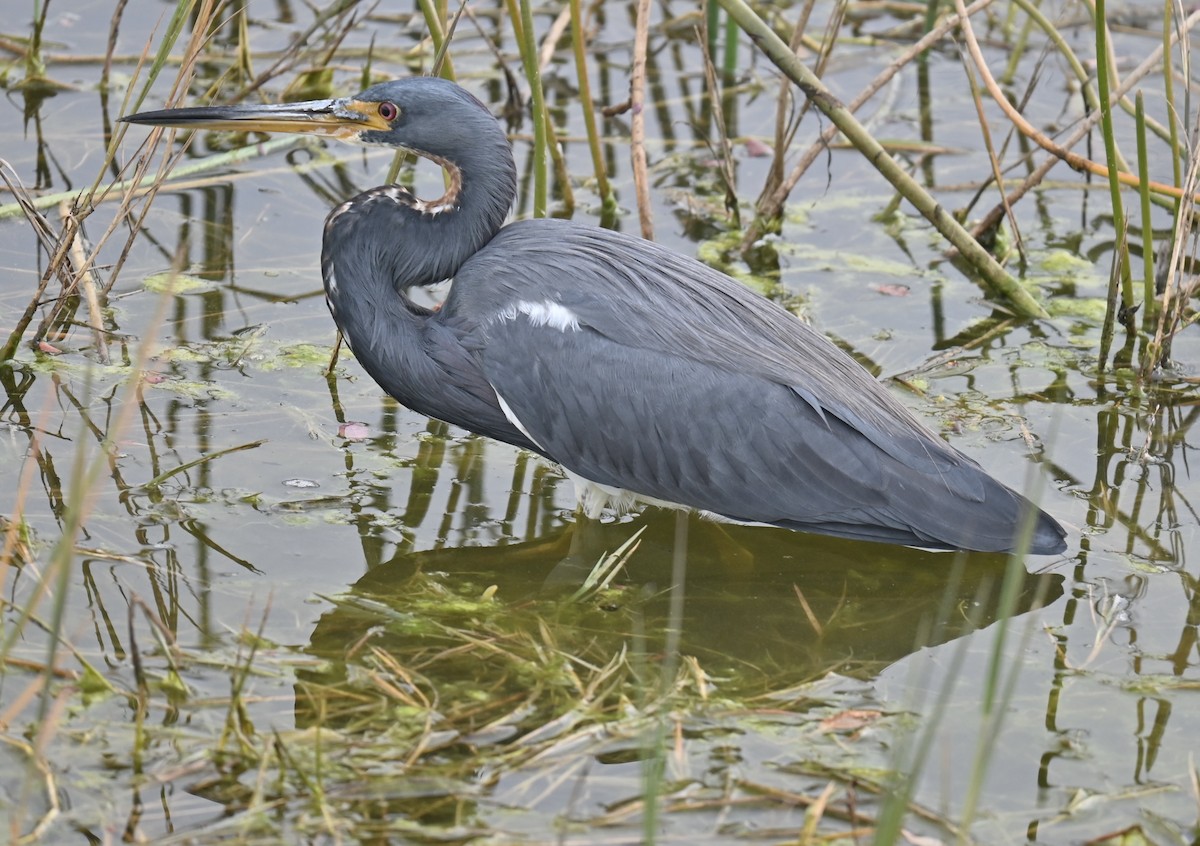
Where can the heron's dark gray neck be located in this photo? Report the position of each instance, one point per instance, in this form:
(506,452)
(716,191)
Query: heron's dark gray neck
(388,240)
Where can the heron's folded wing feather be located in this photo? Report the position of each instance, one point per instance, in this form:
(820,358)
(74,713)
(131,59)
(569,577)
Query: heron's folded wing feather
(678,430)
(742,447)
(643,297)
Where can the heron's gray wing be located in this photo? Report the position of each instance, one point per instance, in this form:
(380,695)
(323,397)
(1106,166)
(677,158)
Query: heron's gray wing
(739,446)
(640,369)
(643,296)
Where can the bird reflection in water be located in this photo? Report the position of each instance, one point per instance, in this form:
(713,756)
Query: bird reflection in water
(742,621)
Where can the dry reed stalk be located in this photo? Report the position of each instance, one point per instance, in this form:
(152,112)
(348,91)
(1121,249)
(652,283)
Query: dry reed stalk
(637,99)
(993,159)
(1086,125)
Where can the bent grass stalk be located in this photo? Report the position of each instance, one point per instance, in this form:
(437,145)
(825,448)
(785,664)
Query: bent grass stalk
(1110,148)
(1000,683)
(909,758)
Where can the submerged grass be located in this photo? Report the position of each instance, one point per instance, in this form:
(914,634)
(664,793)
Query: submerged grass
(456,715)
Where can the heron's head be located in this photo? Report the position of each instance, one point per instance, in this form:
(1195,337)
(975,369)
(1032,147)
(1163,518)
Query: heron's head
(427,115)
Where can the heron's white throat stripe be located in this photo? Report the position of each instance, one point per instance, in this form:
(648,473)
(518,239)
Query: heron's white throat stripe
(546,313)
(400,195)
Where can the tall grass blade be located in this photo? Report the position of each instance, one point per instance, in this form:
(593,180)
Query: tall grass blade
(533,76)
(1149,304)
(1110,149)
(579,47)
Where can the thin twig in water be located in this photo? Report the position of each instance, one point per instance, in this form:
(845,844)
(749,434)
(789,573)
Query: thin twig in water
(46,236)
(787,120)
(993,160)
(43,824)
(553,36)
(174,471)
(722,150)
(86,276)
(295,49)
(995,277)
(1176,295)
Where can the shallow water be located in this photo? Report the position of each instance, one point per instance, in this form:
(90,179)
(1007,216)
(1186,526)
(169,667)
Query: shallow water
(404,589)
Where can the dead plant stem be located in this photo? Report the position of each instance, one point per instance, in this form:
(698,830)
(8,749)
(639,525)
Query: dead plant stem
(993,159)
(86,281)
(553,36)
(1085,126)
(1175,295)
(637,99)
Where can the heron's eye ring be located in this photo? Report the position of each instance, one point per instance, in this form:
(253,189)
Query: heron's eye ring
(389,111)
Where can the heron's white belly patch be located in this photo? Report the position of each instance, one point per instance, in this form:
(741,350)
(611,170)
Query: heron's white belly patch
(546,313)
(592,498)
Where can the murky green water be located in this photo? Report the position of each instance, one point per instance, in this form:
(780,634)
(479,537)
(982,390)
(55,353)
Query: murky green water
(262,573)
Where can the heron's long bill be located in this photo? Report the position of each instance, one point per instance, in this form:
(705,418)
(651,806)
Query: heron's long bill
(343,118)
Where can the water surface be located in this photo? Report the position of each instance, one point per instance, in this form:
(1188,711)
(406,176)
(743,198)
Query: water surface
(404,589)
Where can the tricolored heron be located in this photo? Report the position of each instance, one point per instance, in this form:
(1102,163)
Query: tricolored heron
(644,374)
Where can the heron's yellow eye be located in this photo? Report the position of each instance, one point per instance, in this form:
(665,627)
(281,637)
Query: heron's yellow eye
(388,111)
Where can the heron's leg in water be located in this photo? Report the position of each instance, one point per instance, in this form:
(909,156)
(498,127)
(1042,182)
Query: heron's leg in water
(675,610)
(679,567)
(590,540)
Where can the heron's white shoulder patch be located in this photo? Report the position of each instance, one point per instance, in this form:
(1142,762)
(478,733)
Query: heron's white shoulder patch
(546,313)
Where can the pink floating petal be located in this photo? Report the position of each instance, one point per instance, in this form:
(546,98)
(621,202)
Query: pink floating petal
(354,431)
